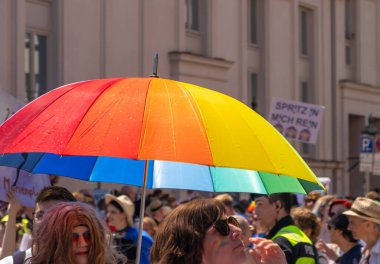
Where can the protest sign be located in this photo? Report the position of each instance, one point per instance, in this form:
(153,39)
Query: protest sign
(27,185)
(296,120)
(8,105)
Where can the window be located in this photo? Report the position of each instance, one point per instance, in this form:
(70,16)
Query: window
(253,21)
(349,19)
(348,55)
(349,26)
(192,15)
(306,149)
(304,92)
(305,31)
(35,65)
(253,91)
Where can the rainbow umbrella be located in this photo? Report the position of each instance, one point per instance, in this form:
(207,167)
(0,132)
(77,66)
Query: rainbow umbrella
(151,119)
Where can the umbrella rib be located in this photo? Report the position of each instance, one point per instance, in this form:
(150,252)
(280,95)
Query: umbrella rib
(212,178)
(264,184)
(38,161)
(171,113)
(197,112)
(143,125)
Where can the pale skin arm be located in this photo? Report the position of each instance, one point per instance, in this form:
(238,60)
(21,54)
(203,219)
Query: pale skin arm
(330,253)
(9,239)
(266,252)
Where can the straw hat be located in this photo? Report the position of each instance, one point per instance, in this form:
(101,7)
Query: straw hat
(366,209)
(154,206)
(125,203)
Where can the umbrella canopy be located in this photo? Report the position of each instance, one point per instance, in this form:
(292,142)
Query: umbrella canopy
(161,174)
(151,119)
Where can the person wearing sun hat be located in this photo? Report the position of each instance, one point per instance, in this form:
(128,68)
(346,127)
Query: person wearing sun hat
(364,223)
(119,217)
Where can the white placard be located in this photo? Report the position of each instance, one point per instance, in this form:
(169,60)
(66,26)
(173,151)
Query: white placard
(296,120)
(27,187)
(8,105)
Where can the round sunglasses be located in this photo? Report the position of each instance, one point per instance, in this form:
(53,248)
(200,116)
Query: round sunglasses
(86,236)
(222,225)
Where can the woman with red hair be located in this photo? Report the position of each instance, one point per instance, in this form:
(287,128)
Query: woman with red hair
(72,233)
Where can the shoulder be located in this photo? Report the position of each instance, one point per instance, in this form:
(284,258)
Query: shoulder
(19,257)
(133,233)
(7,260)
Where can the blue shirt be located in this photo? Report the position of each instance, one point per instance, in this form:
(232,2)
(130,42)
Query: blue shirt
(128,245)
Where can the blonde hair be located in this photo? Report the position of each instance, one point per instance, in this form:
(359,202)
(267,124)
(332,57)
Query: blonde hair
(305,219)
(225,198)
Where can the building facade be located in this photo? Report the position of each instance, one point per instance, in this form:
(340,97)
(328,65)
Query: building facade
(317,51)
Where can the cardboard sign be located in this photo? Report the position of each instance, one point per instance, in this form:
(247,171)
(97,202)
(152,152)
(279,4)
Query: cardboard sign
(8,105)
(26,185)
(296,120)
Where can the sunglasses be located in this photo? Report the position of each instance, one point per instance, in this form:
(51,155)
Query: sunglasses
(329,227)
(86,236)
(222,225)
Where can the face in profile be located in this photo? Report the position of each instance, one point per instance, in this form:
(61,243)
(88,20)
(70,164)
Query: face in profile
(266,213)
(223,248)
(81,241)
(114,216)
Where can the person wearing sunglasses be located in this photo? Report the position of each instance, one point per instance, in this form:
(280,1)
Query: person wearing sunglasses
(72,233)
(200,232)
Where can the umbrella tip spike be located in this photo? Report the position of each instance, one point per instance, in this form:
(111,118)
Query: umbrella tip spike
(155,65)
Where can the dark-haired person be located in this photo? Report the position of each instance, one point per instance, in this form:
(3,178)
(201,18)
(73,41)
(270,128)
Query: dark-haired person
(46,199)
(341,236)
(273,212)
(200,232)
(119,216)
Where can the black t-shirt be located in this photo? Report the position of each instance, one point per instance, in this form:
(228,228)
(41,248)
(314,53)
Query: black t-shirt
(352,256)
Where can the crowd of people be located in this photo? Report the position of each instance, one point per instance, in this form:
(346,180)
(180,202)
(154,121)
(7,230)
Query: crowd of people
(67,227)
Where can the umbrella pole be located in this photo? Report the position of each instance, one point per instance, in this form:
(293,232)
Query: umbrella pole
(142,209)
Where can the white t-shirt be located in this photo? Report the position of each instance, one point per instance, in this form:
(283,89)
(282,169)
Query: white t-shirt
(9,259)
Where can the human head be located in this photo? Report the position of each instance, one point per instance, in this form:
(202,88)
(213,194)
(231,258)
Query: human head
(130,191)
(291,132)
(69,229)
(246,229)
(364,218)
(311,199)
(338,206)
(120,211)
(187,232)
(154,207)
(338,227)
(150,226)
(85,197)
(307,222)
(373,195)
(271,208)
(227,200)
(321,206)
(47,198)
